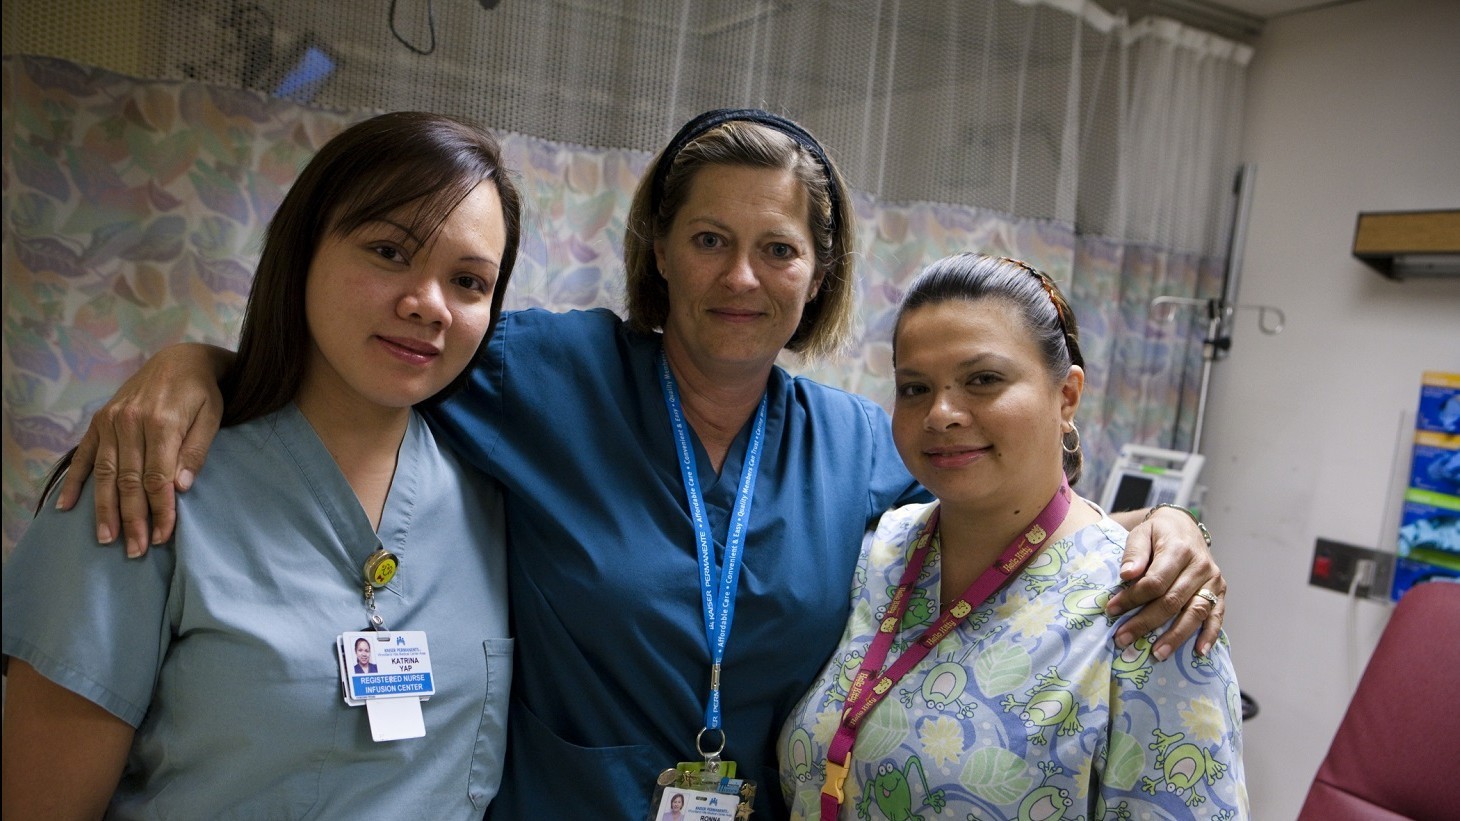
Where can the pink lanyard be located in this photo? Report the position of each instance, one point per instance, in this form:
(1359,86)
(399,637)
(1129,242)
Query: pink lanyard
(861,699)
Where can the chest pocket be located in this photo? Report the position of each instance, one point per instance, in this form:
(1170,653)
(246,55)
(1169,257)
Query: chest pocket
(485,775)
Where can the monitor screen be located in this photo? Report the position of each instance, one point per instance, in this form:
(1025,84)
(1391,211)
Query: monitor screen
(1132,493)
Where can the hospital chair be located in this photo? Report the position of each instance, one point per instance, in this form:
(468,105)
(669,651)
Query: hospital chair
(1397,749)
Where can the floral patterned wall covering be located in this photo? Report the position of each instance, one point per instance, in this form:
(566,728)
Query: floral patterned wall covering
(133,212)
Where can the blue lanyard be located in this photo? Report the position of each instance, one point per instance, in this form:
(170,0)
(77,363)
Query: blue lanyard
(719,602)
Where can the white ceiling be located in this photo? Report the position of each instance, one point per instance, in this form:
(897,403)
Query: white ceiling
(1240,20)
(1269,8)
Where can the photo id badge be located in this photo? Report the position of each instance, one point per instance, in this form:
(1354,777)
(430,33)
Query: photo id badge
(390,674)
(384,664)
(684,793)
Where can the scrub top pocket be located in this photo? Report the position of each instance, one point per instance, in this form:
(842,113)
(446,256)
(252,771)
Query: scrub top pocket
(491,748)
(618,778)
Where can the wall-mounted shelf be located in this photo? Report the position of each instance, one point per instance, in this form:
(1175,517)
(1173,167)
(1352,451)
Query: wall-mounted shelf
(1404,244)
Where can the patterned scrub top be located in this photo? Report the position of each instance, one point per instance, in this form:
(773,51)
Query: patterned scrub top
(1027,710)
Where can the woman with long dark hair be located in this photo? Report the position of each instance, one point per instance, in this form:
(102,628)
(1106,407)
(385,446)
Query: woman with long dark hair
(216,678)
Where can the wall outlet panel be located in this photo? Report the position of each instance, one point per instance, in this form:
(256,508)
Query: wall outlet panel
(1335,565)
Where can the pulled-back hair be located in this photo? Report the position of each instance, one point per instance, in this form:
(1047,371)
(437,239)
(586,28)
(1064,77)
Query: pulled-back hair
(826,323)
(1041,304)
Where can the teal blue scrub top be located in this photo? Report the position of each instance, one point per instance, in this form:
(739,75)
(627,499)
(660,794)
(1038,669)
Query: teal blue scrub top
(613,669)
(220,647)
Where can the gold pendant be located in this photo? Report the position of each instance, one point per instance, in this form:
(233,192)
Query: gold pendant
(380,567)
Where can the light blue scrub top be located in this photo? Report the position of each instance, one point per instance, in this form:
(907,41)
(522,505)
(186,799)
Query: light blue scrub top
(220,648)
(613,670)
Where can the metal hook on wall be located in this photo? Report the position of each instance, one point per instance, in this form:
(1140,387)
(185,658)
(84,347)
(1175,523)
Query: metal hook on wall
(1270,320)
(1165,315)
(1262,314)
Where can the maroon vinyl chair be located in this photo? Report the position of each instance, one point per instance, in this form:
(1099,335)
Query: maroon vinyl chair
(1396,753)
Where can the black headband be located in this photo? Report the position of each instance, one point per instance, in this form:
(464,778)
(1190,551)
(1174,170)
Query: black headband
(712,119)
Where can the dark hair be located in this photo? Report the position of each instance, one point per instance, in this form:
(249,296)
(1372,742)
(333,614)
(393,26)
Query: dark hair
(755,139)
(413,166)
(1040,302)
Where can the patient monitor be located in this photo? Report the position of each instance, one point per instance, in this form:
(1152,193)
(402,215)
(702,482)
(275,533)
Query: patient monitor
(1146,476)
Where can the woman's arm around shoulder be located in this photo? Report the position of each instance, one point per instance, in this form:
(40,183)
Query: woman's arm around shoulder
(1168,562)
(149,440)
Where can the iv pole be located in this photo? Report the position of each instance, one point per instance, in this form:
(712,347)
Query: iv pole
(1220,312)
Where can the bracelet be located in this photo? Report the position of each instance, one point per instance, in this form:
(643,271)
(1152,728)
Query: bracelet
(1205,534)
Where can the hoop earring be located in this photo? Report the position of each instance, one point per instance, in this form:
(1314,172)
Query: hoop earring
(1076,432)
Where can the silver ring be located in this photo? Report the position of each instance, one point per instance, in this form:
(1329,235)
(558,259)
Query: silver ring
(1208,595)
(700,743)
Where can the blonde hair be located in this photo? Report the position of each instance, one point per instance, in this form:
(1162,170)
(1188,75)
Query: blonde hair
(755,141)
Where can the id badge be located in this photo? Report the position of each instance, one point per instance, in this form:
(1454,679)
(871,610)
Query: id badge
(389,673)
(685,792)
(382,664)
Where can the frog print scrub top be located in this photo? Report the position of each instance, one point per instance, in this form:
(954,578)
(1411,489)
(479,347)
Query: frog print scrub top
(1027,710)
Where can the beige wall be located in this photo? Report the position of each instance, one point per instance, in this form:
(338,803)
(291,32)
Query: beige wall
(1350,108)
(107,34)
